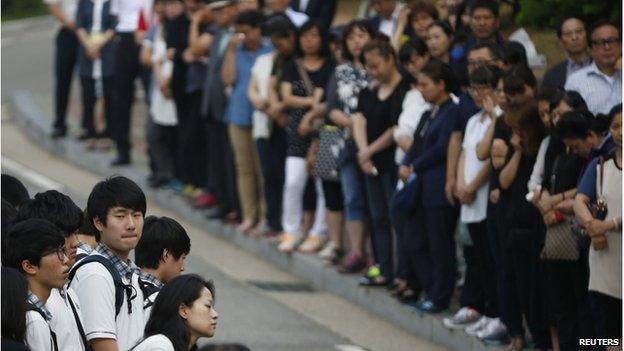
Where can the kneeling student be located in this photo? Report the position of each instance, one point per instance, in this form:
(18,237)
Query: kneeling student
(107,281)
(38,251)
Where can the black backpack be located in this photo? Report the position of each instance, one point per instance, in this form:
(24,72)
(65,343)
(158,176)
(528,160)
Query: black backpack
(32,307)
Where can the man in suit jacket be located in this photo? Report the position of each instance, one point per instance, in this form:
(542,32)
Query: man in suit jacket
(572,36)
(387,16)
(221,172)
(323,10)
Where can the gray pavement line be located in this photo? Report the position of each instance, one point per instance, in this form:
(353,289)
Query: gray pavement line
(29,117)
(21,171)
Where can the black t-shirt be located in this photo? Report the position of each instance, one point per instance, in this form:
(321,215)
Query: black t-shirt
(381,115)
(298,145)
(521,214)
(177,33)
(561,168)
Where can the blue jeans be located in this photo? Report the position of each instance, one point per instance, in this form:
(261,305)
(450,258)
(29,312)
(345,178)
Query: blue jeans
(272,153)
(380,189)
(353,191)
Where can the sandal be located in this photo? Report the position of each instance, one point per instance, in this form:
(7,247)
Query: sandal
(373,277)
(408,295)
(353,264)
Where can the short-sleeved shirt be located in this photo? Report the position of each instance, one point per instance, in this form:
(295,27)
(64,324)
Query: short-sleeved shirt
(239,110)
(63,322)
(476,128)
(127,12)
(68,7)
(599,91)
(261,72)
(158,342)
(466,108)
(380,116)
(95,288)
(38,337)
(298,145)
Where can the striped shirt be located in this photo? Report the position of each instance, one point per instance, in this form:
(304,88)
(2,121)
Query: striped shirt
(600,91)
(34,300)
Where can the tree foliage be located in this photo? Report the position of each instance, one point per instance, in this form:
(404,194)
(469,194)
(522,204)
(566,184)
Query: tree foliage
(550,13)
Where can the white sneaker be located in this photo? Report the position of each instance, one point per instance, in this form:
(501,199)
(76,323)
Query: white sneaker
(463,318)
(494,333)
(474,328)
(328,251)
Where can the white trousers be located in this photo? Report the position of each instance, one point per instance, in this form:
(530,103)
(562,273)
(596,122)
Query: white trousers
(294,188)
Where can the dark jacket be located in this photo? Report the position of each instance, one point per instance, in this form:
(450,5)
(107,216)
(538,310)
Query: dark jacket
(428,157)
(214,99)
(556,76)
(323,10)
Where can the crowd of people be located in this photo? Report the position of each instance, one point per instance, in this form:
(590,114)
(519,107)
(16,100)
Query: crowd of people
(396,146)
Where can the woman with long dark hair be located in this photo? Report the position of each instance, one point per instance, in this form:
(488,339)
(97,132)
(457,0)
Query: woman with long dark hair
(14,306)
(182,313)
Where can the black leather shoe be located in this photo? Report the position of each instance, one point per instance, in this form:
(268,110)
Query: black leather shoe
(121,161)
(58,133)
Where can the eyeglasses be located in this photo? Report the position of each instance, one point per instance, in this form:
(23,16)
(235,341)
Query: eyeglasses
(60,252)
(604,42)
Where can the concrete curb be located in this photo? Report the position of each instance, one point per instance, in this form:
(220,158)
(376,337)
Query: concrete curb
(309,268)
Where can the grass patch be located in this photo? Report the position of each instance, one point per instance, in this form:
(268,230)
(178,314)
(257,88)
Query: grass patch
(19,9)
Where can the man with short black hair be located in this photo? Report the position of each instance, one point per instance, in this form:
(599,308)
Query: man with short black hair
(107,281)
(572,37)
(37,250)
(484,23)
(600,83)
(13,190)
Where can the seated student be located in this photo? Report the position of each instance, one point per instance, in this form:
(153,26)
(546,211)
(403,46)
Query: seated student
(183,312)
(111,292)
(88,236)
(162,250)
(14,306)
(37,250)
(63,303)
(13,190)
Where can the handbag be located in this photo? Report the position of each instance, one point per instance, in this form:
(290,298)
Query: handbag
(406,199)
(561,242)
(331,143)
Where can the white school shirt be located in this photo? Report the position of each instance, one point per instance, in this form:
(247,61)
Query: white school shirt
(127,12)
(38,336)
(414,105)
(261,72)
(389,26)
(63,322)
(96,290)
(156,342)
(297,18)
(475,130)
(537,176)
(68,7)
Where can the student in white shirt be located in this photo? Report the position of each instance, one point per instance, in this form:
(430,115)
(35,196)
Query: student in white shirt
(113,317)
(283,6)
(63,304)
(472,191)
(184,311)
(37,250)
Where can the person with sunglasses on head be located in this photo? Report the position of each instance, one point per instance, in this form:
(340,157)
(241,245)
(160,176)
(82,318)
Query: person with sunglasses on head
(38,252)
(600,83)
(63,304)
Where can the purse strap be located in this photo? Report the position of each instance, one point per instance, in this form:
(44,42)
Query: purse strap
(601,176)
(553,176)
(307,82)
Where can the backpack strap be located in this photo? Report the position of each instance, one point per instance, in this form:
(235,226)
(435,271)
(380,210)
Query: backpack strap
(120,287)
(31,307)
(83,336)
(148,290)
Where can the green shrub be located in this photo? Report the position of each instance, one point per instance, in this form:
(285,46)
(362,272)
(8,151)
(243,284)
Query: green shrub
(550,13)
(16,9)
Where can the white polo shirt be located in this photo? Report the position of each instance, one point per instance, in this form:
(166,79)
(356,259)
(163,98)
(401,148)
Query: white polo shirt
(63,322)
(156,342)
(68,7)
(297,18)
(38,336)
(95,288)
(127,12)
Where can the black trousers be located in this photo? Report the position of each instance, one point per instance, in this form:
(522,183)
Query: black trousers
(471,293)
(406,260)
(221,171)
(607,312)
(272,153)
(484,268)
(568,301)
(192,135)
(66,56)
(162,142)
(433,245)
(89,99)
(127,69)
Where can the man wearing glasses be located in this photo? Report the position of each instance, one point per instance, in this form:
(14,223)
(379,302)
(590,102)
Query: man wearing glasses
(38,252)
(600,83)
(573,38)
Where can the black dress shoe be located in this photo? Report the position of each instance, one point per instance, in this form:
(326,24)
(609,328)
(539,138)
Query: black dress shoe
(121,161)
(58,133)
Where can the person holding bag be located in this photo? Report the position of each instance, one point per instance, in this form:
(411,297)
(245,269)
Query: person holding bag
(302,91)
(602,184)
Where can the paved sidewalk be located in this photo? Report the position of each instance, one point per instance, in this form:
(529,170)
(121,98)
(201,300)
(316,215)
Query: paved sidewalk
(29,115)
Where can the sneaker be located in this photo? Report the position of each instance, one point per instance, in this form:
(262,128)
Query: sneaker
(312,244)
(288,243)
(188,190)
(494,333)
(475,328)
(463,318)
(429,306)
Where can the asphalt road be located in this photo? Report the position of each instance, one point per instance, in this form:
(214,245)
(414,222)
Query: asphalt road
(259,305)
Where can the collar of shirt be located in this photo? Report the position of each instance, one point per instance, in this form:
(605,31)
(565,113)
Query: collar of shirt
(594,70)
(150,278)
(573,66)
(34,300)
(124,269)
(85,247)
